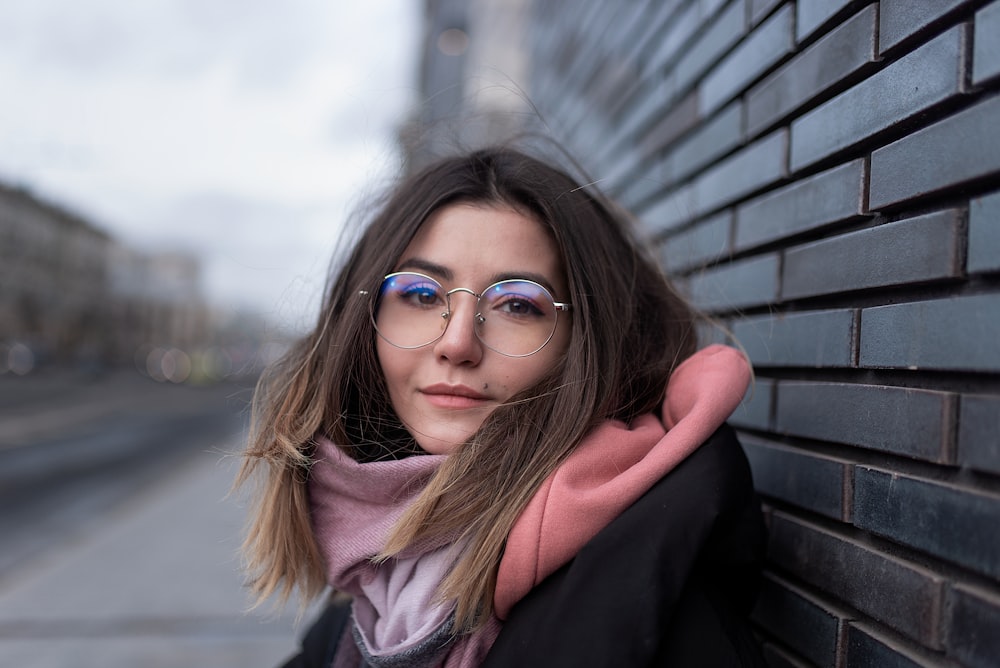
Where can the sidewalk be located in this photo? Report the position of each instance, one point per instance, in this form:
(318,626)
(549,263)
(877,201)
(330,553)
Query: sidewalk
(157,585)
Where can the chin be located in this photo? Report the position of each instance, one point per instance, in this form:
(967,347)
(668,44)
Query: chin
(439,445)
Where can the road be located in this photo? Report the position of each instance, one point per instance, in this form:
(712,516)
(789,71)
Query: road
(118,538)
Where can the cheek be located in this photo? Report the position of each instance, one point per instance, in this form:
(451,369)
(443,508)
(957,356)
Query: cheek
(393,365)
(530,371)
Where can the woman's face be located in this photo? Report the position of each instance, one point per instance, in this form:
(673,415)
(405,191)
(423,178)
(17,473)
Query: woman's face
(444,390)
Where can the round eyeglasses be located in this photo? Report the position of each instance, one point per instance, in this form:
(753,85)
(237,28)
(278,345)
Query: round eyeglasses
(515,317)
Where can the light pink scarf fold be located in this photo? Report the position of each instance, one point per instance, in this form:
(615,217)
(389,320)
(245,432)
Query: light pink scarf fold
(356,505)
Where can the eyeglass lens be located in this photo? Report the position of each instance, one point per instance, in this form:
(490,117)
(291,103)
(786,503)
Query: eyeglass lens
(514,317)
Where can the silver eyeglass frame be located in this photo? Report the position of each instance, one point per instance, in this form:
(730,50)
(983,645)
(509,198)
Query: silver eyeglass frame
(558,306)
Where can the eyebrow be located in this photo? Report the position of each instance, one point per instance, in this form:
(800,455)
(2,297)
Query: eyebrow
(444,273)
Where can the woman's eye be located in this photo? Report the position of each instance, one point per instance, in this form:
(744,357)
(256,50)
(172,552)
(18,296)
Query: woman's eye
(421,296)
(519,307)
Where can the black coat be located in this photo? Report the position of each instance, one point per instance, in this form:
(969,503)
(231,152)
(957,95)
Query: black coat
(669,582)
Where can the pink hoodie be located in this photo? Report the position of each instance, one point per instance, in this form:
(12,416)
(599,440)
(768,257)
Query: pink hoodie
(614,466)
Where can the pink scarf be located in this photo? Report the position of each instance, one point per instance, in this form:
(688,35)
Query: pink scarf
(355,506)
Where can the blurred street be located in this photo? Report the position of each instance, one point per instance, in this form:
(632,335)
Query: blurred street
(119,543)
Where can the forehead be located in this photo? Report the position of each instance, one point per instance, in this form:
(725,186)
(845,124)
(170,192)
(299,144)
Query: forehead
(473,245)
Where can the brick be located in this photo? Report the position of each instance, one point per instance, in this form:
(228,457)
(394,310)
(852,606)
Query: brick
(712,332)
(979,433)
(901,18)
(910,422)
(741,173)
(986,49)
(737,285)
(710,141)
(909,251)
(587,60)
(670,211)
(701,245)
(800,478)
(750,169)
(965,146)
(759,51)
(612,80)
(649,25)
(974,627)
(755,410)
(651,99)
(637,188)
(921,79)
(634,24)
(678,120)
(615,171)
(952,523)
(984,234)
(814,339)
(678,28)
(841,53)
(798,621)
(722,33)
(958,334)
(894,592)
(831,196)
(811,14)
(866,648)
(760,8)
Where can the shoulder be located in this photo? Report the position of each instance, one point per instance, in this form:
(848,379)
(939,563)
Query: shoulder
(614,602)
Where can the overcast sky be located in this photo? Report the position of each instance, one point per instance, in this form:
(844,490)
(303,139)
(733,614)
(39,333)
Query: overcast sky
(246,130)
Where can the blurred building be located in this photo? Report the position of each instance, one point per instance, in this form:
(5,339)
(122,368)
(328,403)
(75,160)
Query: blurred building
(156,299)
(72,295)
(473,78)
(54,291)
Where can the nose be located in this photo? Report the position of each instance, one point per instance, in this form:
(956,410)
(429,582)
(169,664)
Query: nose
(460,344)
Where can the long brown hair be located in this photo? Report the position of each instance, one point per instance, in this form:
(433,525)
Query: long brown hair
(629,330)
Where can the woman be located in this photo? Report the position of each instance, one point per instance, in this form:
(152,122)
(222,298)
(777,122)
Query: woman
(479,445)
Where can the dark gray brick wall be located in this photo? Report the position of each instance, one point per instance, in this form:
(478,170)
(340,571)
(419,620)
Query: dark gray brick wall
(867,648)
(909,600)
(799,621)
(756,166)
(986,57)
(835,195)
(922,249)
(721,33)
(811,14)
(823,178)
(712,140)
(958,333)
(812,339)
(979,433)
(910,422)
(836,56)
(984,233)
(923,78)
(736,285)
(943,520)
(701,245)
(761,49)
(964,147)
(808,481)
(755,411)
(974,626)
(899,19)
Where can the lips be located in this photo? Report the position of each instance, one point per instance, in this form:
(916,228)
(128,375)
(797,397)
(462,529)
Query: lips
(443,395)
